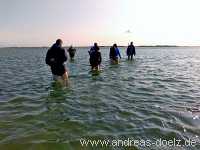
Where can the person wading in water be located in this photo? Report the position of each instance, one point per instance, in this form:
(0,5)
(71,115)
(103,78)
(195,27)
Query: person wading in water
(55,58)
(131,51)
(95,57)
(71,52)
(114,54)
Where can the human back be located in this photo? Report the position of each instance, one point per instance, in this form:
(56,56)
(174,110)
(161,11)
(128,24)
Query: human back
(72,52)
(56,55)
(131,51)
(95,57)
(113,53)
(55,58)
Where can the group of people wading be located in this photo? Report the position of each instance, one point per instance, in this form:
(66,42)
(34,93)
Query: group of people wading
(56,57)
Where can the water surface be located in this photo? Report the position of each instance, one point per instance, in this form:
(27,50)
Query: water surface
(155,96)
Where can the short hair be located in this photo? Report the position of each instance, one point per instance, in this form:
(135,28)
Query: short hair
(59,41)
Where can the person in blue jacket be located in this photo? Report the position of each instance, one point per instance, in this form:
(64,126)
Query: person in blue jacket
(115,54)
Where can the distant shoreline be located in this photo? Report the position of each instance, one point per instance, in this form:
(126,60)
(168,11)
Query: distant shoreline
(145,46)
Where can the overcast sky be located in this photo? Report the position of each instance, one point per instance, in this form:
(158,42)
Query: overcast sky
(82,22)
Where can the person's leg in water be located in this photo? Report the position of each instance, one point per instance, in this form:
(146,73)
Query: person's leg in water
(58,80)
(98,67)
(95,68)
(131,56)
(116,60)
(65,79)
(112,61)
(71,54)
(60,75)
(128,57)
(92,67)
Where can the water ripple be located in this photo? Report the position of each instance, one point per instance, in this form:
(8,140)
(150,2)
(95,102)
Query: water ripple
(154,96)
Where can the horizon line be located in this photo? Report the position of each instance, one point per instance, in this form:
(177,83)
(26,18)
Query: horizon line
(103,46)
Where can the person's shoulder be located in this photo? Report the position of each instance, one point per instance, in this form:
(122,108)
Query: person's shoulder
(61,48)
(49,49)
(52,47)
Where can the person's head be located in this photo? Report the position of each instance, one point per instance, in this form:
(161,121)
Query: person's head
(115,45)
(131,43)
(59,42)
(95,44)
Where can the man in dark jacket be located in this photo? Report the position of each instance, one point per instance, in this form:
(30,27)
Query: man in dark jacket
(95,57)
(55,58)
(131,51)
(72,52)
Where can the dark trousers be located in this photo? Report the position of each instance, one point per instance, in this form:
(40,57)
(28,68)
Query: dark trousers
(130,57)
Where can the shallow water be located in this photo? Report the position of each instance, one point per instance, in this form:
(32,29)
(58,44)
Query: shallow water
(155,96)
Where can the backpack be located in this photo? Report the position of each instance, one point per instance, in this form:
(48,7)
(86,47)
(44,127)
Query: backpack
(113,53)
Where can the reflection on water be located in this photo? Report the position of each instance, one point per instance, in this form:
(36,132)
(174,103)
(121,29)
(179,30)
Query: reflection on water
(155,96)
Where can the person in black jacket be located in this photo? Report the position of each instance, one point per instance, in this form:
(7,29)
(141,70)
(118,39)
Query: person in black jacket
(55,58)
(95,57)
(131,51)
(72,52)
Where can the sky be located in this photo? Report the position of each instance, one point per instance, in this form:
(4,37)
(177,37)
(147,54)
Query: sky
(83,22)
